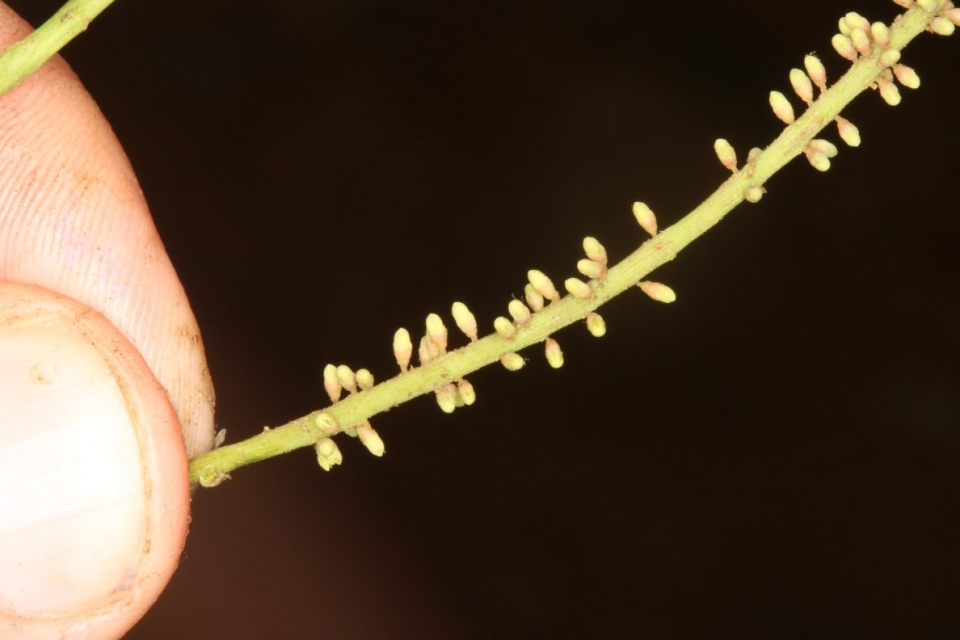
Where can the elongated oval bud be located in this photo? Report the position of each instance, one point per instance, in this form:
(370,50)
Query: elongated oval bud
(519,312)
(844,47)
(816,71)
(370,438)
(848,132)
(347,378)
(402,348)
(467,394)
(818,160)
(825,147)
(880,34)
(595,250)
(591,269)
(801,85)
(645,217)
(781,107)
(861,42)
(889,92)
(504,327)
(447,398)
(906,76)
(437,331)
(658,291)
(725,153)
(465,320)
(553,353)
(596,325)
(331,384)
(533,297)
(543,285)
(578,288)
(857,21)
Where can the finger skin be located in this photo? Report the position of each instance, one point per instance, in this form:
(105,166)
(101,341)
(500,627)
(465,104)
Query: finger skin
(73,220)
(94,498)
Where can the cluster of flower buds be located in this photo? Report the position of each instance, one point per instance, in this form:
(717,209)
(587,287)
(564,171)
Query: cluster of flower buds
(336,378)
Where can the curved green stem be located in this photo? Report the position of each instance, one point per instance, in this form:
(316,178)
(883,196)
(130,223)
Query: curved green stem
(210,468)
(22,58)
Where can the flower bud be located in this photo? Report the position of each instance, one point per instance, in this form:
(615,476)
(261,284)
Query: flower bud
(889,92)
(437,332)
(347,378)
(553,353)
(906,76)
(402,348)
(801,85)
(465,320)
(657,291)
(889,57)
(578,288)
(504,327)
(753,193)
(331,383)
(328,453)
(725,153)
(467,394)
(596,325)
(364,379)
(645,217)
(512,361)
(861,42)
(519,312)
(533,297)
(447,398)
(543,285)
(844,47)
(591,269)
(595,250)
(370,438)
(816,71)
(781,107)
(848,132)
(880,34)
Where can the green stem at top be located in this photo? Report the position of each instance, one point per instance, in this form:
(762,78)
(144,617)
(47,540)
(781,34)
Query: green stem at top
(20,59)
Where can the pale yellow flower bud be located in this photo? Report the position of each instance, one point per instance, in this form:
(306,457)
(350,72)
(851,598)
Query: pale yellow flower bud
(447,398)
(596,325)
(658,291)
(753,193)
(519,312)
(645,216)
(437,331)
(781,107)
(467,394)
(553,353)
(880,34)
(889,57)
(347,378)
(889,92)
(331,383)
(465,320)
(504,327)
(595,250)
(533,298)
(578,288)
(906,76)
(861,42)
(848,132)
(725,153)
(591,269)
(512,361)
(370,438)
(844,47)
(816,71)
(543,285)
(801,85)
(402,348)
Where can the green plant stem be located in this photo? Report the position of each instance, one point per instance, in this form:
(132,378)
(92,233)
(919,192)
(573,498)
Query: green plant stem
(209,469)
(22,58)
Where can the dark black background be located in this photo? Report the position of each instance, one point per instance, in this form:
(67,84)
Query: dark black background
(774,455)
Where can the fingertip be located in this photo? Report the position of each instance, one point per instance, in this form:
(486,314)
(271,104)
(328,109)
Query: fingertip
(92,469)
